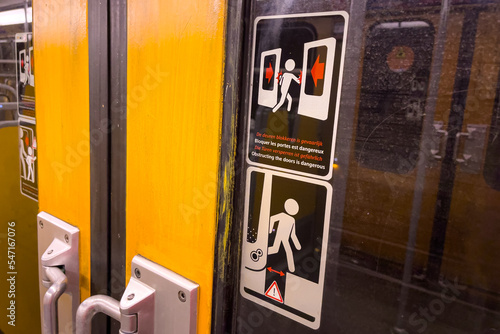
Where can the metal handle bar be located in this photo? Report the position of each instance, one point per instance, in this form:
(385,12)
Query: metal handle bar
(59,283)
(9,88)
(6,124)
(107,305)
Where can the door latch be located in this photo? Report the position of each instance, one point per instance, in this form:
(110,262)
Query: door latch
(59,273)
(155,301)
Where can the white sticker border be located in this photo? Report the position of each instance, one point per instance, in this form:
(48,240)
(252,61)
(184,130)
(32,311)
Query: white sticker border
(324,245)
(328,176)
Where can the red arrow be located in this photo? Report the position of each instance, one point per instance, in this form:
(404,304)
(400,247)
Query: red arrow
(317,71)
(269,73)
(274,271)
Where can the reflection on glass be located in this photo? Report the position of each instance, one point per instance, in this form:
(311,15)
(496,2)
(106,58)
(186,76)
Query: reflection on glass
(396,70)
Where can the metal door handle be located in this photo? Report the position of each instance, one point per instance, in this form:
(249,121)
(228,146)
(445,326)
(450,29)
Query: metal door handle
(57,282)
(53,278)
(59,272)
(135,310)
(151,288)
(93,305)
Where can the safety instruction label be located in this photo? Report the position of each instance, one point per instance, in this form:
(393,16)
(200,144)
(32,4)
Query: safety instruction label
(25,76)
(28,147)
(297,65)
(285,238)
(28,156)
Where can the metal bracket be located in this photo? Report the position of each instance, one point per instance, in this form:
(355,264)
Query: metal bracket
(59,273)
(155,301)
(137,308)
(473,149)
(176,298)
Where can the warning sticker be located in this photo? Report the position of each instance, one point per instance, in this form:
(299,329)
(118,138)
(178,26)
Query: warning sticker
(274,292)
(28,147)
(25,76)
(28,156)
(285,242)
(295,92)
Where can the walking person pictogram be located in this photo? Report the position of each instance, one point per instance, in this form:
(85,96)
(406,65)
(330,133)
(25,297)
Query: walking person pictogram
(285,80)
(285,231)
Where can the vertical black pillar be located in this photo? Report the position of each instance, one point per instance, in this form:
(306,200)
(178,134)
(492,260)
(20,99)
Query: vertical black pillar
(98,26)
(107,24)
(448,166)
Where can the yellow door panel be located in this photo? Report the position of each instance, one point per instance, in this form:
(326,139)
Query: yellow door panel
(62,102)
(174,104)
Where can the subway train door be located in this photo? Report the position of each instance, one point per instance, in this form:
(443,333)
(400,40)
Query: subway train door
(60,38)
(130,103)
(174,115)
(356,191)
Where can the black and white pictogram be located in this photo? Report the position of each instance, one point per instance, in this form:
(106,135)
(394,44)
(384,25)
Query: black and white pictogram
(284,250)
(28,155)
(294,96)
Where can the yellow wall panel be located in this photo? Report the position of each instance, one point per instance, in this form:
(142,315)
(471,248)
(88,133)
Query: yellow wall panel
(175,73)
(62,104)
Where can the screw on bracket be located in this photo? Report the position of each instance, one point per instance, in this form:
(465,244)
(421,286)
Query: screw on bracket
(182,296)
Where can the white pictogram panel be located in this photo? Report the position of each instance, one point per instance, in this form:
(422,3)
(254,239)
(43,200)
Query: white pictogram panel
(268,77)
(317,82)
(284,248)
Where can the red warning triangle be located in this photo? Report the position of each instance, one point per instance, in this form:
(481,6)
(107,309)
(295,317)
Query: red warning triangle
(274,292)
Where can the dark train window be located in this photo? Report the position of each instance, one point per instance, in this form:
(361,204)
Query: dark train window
(394,84)
(492,161)
(270,68)
(315,57)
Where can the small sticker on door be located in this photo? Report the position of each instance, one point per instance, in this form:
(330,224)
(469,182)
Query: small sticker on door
(285,243)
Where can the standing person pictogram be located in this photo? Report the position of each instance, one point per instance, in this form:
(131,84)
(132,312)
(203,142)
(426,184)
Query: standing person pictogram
(30,161)
(285,232)
(22,153)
